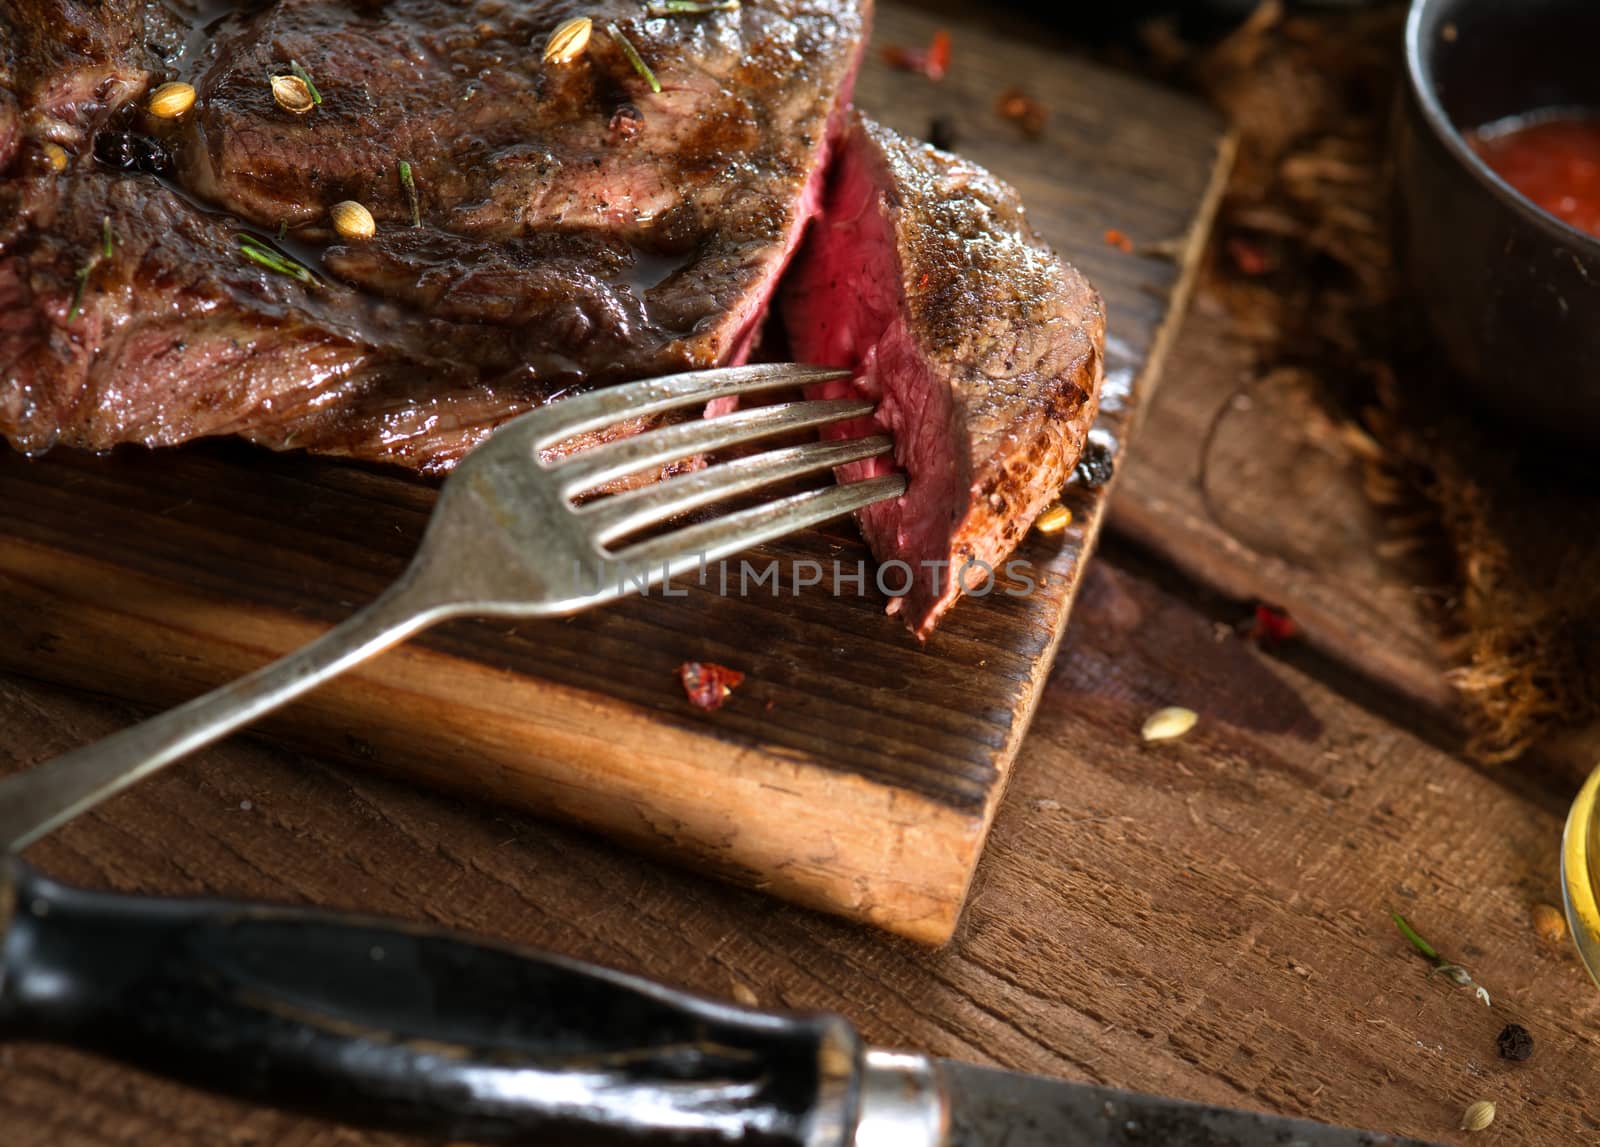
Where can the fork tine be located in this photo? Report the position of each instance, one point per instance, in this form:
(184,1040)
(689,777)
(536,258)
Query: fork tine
(723,537)
(600,464)
(600,408)
(612,517)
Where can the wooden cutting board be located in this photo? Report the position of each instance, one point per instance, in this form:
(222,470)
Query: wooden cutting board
(854,771)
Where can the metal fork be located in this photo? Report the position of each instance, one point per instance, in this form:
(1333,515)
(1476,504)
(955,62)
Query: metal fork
(506,539)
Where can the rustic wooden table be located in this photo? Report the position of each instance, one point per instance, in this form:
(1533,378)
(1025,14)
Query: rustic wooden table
(1206,918)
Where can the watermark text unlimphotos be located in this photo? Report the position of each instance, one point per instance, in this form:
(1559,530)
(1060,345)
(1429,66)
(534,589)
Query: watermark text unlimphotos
(894,578)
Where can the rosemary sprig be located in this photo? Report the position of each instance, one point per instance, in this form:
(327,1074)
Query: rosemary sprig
(1417,941)
(77,296)
(634,57)
(258,252)
(411,193)
(305,78)
(82,273)
(692,7)
(1455,973)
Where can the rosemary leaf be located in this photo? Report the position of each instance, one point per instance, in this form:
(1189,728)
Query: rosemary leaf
(1417,941)
(257,252)
(634,57)
(305,78)
(411,193)
(82,273)
(692,7)
(77,296)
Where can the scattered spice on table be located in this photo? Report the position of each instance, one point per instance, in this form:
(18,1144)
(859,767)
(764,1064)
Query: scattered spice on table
(1272,625)
(1023,110)
(1515,1042)
(743,994)
(1478,1116)
(1168,724)
(1453,972)
(942,132)
(1119,240)
(1053,520)
(932,61)
(1096,465)
(707,684)
(1548,924)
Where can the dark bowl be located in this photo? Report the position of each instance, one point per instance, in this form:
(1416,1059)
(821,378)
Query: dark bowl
(1511,293)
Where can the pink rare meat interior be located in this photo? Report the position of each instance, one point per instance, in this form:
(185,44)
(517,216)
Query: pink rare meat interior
(981,348)
(855,320)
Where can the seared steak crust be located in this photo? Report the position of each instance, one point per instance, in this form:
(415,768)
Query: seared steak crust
(557,248)
(983,349)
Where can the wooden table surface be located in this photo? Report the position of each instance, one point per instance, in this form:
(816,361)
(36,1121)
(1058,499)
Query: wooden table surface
(1207,918)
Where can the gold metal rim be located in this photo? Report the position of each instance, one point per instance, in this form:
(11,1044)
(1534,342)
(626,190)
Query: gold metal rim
(1580,873)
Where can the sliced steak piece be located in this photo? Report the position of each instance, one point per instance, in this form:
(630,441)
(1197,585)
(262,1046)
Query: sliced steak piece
(576,227)
(982,348)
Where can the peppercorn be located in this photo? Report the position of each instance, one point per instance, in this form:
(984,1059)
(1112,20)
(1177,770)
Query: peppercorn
(1514,1042)
(126,151)
(1095,465)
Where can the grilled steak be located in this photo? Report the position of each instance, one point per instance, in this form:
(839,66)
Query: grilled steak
(982,349)
(576,228)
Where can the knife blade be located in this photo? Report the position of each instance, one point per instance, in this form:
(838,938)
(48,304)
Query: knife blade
(401,1027)
(994,1108)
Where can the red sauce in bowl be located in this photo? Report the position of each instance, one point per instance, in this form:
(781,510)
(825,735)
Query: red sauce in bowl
(1554,162)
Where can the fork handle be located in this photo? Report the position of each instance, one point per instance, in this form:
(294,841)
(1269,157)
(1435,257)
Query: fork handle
(45,797)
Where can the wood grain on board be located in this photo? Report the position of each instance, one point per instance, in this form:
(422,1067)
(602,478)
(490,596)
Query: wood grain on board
(1205,918)
(854,771)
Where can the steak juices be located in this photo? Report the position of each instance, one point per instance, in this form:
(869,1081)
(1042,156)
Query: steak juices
(537,227)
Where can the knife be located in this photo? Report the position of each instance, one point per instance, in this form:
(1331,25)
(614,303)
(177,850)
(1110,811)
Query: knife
(400,1027)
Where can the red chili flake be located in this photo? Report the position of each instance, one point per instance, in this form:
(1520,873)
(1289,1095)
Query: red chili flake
(933,61)
(1272,625)
(923,282)
(1120,241)
(1247,256)
(938,55)
(1023,110)
(707,683)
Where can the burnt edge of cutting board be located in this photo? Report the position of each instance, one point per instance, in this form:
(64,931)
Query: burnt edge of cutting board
(854,771)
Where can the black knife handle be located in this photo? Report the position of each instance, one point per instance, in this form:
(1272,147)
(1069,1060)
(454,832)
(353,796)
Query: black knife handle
(391,1026)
